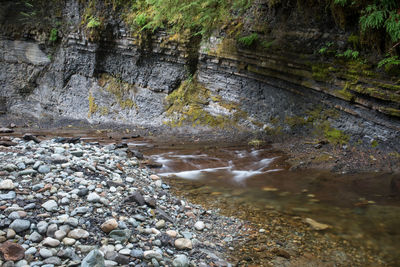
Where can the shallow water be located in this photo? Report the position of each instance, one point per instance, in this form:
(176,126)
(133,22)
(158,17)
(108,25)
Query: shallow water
(362,209)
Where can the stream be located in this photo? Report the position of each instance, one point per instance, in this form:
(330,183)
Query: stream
(362,210)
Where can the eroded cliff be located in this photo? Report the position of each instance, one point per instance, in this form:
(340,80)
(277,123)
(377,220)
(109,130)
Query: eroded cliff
(275,79)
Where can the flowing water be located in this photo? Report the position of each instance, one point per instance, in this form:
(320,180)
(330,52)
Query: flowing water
(255,184)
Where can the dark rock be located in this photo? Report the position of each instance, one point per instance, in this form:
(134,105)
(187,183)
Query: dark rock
(137,253)
(6,130)
(122,259)
(121,145)
(135,153)
(163,215)
(64,140)
(120,235)
(153,165)
(7,143)
(83,192)
(12,251)
(151,202)
(136,197)
(31,137)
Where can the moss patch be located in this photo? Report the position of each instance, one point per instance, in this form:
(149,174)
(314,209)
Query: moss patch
(92,106)
(187,105)
(119,89)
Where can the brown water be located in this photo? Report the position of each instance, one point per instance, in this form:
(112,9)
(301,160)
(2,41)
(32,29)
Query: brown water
(362,210)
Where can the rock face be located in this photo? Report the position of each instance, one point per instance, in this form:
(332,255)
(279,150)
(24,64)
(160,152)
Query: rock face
(119,80)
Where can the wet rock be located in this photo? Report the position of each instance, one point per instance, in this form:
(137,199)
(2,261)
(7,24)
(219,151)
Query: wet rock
(109,225)
(12,251)
(6,130)
(94,259)
(44,169)
(316,225)
(30,137)
(19,225)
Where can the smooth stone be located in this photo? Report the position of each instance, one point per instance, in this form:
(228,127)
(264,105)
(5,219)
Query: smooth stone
(31,251)
(42,227)
(50,205)
(7,185)
(183,243)
(45,253)
(120,235)
(68,241)
(78,234)
(109,225)
(10,233)
(137,253)
(150,254)
(51,242)
(19,225)
(199,226)
(316,225)
(35,237)
(160,224)
(94,259)
(180,261)
(60,234)
(125,251)
(44,169)
(12,251)
(51,230)
(10,195)
(53,260)
(93,197)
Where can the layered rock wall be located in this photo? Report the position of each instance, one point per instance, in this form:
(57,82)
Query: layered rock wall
(131,79)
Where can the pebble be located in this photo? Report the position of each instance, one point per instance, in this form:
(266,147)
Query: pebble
(44,169)
(7,185)
(199,226)
(150,254)
(180,261)
(109,225)
(50,242)
(94,259)
(19,225)
(93,197)
(50,205)
(78,234)
(45,253)
(183,243)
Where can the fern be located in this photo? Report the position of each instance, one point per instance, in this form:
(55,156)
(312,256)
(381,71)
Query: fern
(389,62)
(248,40)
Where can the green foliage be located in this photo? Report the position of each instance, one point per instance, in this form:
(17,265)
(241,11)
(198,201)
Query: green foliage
(349,54)
(141,19)
(200,17)
(389,62)
(382,14)
(53,35)
(93,22)
(249,39)
(324,50)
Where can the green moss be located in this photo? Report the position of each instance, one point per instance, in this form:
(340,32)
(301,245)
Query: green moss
(335,136)
(92,106)
(374,143)
(256,143)
(186,105)
(119,89)
(294,121)
(320,73)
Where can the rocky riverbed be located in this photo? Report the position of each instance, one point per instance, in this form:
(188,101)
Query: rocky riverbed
(68,203)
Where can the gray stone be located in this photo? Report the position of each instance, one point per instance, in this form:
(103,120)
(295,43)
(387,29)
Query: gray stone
(150,254)
(50,205)
(120,235)
(137,253)
(78,234)
(94,259)
(35,237)
(10,195)
(93,197)
(51,230)
(42,227)
(180,261)
(51,242)
(44,169)
(45,253)
(31,251)
(19,225)
(7,185)
(199,226)
(53,260)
